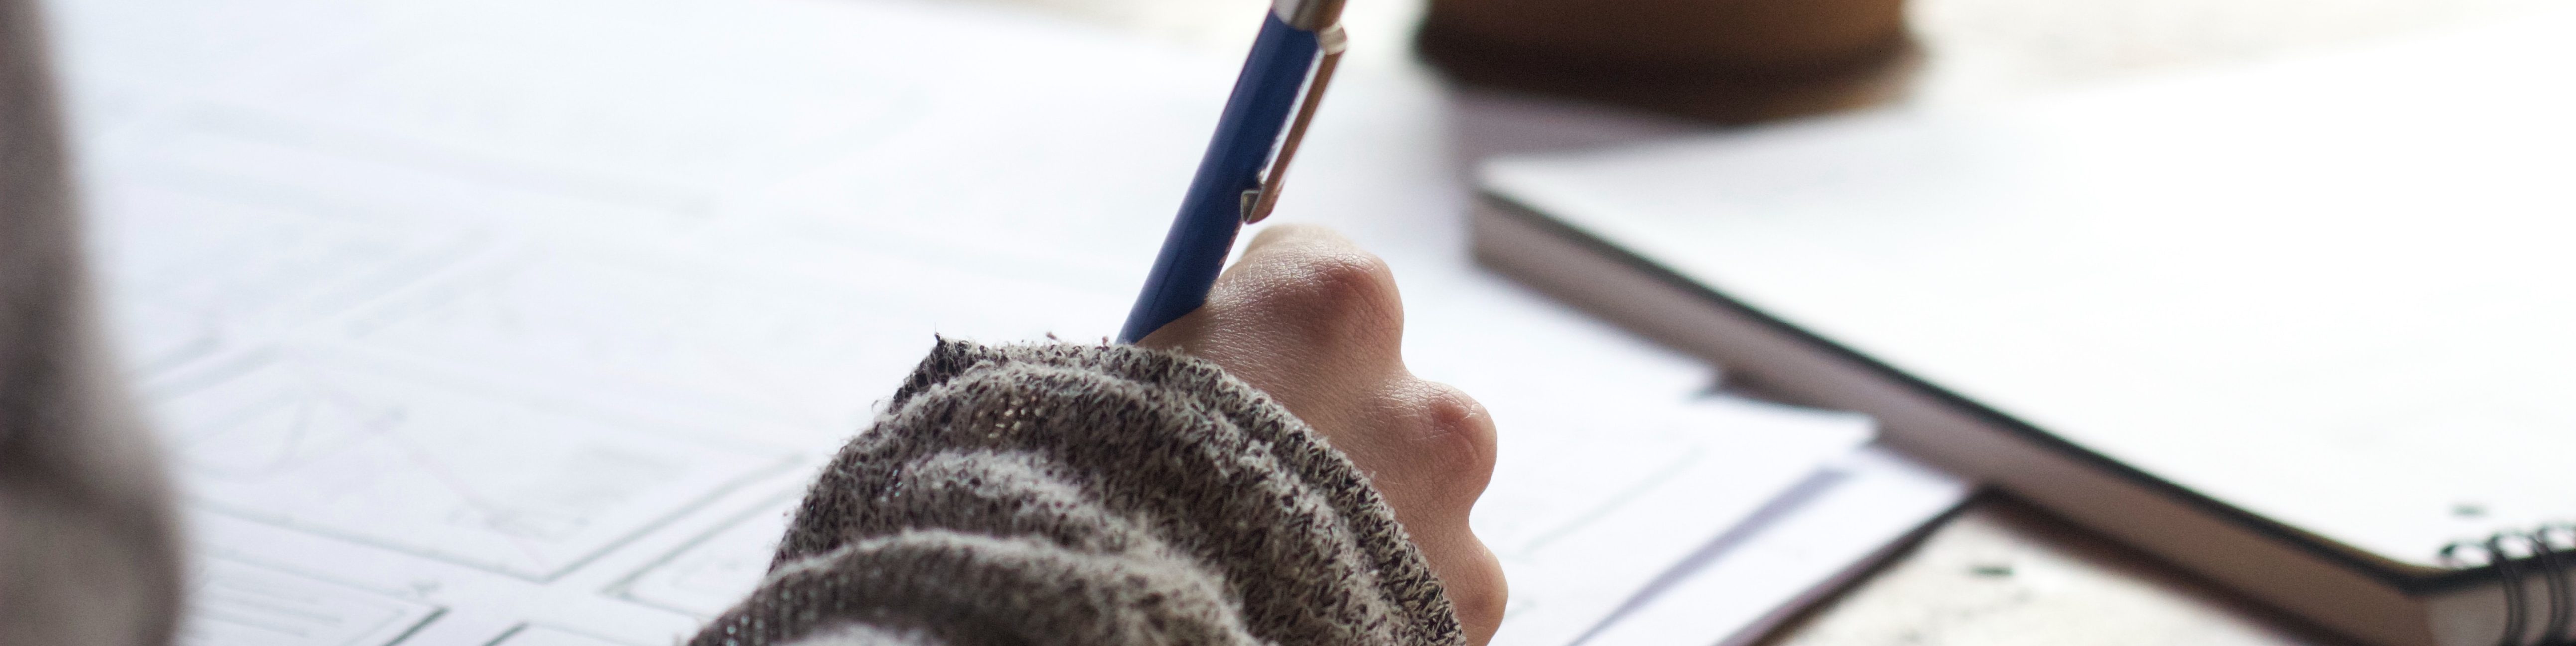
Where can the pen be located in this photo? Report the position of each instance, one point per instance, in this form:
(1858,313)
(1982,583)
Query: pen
(1239,177)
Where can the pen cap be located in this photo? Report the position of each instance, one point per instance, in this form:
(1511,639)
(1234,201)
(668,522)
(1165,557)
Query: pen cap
(1308,15)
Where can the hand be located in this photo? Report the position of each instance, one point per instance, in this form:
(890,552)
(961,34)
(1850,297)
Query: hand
(1314,321)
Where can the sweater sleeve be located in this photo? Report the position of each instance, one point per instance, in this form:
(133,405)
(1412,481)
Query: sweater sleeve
(1072,494)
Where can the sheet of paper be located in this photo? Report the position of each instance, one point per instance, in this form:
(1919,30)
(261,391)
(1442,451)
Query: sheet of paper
(1833,527)
(234,603)
(483,322)
(1582,521)
(465,333)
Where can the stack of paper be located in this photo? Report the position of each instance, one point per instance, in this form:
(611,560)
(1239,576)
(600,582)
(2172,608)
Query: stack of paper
(484,322)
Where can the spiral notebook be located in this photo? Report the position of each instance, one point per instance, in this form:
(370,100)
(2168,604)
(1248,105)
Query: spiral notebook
(2308,328)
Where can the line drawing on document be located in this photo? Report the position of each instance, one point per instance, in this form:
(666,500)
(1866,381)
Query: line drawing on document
(716,568)
(437,471)
(239,604)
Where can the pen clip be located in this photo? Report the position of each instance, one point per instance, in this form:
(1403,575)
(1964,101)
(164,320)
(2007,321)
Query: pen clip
(1258,202)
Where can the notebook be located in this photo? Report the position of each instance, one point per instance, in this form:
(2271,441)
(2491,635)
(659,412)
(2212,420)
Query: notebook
(2305,327)
(524,323)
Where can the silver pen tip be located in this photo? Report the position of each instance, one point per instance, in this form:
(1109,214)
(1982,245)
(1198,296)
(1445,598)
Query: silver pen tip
(1309,15)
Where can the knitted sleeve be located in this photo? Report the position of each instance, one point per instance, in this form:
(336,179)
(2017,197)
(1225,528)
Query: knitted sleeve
(1068,494)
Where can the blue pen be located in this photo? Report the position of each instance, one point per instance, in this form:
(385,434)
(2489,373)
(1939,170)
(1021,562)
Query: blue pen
(1239,177)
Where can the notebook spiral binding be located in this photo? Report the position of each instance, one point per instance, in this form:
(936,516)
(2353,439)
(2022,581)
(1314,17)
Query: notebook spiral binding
(2546,552)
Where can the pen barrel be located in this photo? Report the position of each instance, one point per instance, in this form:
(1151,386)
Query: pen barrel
(1211,212)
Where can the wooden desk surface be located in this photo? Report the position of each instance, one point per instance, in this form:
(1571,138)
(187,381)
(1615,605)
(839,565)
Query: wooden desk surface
(2002,573)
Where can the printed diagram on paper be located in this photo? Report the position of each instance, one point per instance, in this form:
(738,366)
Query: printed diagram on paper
(243,604)
(716,570)
(433,469)
(458,334)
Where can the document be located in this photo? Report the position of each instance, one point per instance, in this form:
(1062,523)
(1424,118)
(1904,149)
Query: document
(525,323)
(1584,520)
(1831,529)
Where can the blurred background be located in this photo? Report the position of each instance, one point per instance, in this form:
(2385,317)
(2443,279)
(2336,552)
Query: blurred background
(1975,50)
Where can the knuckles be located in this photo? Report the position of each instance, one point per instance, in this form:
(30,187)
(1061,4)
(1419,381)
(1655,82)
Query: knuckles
(1480,604)
(1457,439)
(1342,292)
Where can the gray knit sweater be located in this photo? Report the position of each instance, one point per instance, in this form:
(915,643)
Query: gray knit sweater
(1071,494)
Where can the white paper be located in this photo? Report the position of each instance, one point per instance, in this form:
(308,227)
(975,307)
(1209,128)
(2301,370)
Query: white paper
(1583,520)
(552,636)
(235,603)
(712,573)
(525,322)
(1832,528)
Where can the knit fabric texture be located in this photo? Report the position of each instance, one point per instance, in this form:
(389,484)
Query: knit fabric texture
(1072,494)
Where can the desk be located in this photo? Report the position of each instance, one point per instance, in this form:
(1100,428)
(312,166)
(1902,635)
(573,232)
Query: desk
(2004,573)
(2001,573)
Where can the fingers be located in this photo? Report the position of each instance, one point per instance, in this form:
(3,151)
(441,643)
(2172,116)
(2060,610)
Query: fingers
(1318,289)
(1473,580)
(1317,322)
(1444,439)
(1445,446)
(1306,316)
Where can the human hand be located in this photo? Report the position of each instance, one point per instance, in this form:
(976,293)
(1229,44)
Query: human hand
(1315,321)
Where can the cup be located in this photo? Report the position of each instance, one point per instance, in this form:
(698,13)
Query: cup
(1727,61)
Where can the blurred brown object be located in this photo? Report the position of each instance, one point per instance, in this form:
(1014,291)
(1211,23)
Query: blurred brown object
(1728,61)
